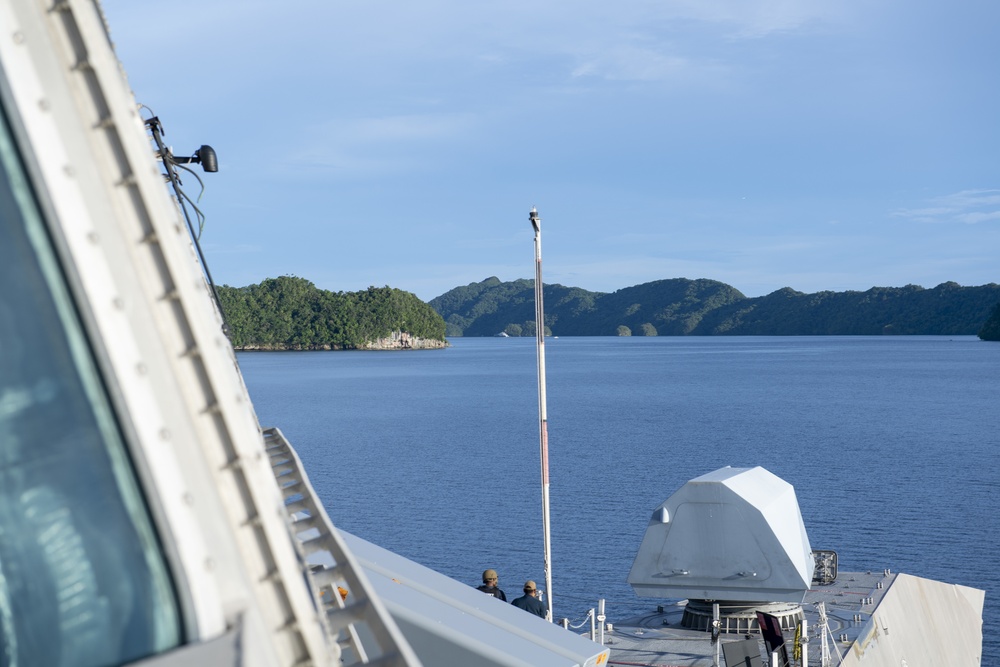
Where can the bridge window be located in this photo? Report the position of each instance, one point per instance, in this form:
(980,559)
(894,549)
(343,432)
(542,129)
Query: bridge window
(83,580)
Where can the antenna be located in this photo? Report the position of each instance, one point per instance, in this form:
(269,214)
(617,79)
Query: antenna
(543,434)
(209,161)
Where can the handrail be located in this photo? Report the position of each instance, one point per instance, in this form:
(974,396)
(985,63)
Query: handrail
(347,597)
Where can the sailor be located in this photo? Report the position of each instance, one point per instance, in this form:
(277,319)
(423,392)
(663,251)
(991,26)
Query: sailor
(529,601)
(490,585)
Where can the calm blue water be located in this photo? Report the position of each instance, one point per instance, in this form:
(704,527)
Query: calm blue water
(890,442)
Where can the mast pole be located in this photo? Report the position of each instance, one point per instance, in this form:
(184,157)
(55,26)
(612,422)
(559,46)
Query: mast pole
(543,434)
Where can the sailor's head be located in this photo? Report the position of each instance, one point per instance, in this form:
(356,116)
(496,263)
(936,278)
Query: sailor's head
(490,577)
(530,588)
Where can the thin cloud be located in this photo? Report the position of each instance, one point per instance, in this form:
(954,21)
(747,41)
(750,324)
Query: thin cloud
(393,129)
(968,207)
(637,44)
(634,63)
(642,41)
(760,19)
(632,100)
(367,146)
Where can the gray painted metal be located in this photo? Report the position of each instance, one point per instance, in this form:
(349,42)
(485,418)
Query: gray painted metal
(875,619)
(734,534)
(157,340)
(449,623)
(362,627)
(197,447)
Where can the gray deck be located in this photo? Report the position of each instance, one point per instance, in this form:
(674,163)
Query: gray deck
(657,639)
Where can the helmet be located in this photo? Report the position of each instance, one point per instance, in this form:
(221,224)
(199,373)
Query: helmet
(488,575)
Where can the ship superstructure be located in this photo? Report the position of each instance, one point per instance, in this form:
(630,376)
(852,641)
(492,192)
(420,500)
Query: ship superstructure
(145,515)
(728,559)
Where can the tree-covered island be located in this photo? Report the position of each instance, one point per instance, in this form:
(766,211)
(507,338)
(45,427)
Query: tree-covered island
(290,313)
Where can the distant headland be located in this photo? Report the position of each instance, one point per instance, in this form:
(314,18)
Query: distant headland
(291,313)
(682,307)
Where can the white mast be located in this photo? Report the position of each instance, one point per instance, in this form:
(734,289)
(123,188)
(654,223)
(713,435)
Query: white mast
(543,434)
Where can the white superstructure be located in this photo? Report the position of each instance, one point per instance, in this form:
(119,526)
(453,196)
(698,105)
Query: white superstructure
(728,554)
(143,514)
(733,534)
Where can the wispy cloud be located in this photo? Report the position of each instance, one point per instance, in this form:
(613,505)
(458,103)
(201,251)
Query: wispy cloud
(393,129)
(656,41)
(366,146)
(968,207)
(641,41)
(630,62)
(765,17)
(578,106)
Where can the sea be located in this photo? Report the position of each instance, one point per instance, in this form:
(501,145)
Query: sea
(891,444)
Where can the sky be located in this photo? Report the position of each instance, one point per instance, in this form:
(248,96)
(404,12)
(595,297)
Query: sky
(812,144)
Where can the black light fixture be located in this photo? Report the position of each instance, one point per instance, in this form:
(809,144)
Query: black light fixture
(209,161)
(205,156)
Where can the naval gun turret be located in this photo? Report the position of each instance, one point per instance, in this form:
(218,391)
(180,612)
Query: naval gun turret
(733,537)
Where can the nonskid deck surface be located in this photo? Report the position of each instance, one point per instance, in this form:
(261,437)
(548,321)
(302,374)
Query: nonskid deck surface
(658,639)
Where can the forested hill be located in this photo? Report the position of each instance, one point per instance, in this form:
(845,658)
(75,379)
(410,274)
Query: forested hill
(680,306)
(292,313)
(991,329)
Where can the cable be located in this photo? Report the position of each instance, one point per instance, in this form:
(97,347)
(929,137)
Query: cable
(201,216)
(170,165)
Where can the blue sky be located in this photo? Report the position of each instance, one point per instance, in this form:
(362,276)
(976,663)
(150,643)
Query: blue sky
(814,144)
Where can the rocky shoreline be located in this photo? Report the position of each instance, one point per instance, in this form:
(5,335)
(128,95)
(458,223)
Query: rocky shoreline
(398,340)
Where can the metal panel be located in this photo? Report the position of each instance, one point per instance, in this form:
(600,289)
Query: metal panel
(733,534)
(449,623)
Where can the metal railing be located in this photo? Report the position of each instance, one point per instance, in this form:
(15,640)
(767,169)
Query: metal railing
(356,618)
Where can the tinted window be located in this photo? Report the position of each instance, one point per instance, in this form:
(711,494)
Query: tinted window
(82,577)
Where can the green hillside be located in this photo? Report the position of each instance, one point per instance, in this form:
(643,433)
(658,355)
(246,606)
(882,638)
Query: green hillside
(991,329)
(292,313)
(679,306)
